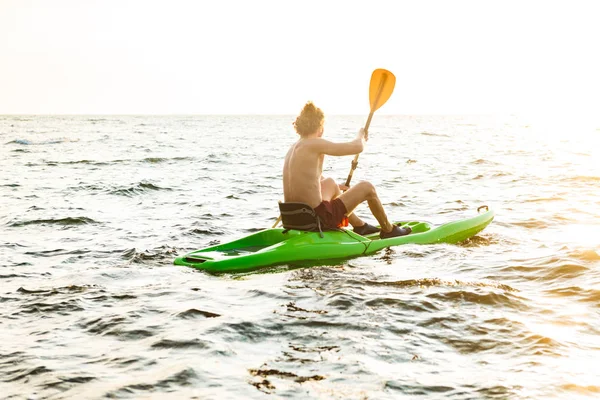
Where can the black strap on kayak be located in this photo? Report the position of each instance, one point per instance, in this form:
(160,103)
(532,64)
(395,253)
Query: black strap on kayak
(301,217)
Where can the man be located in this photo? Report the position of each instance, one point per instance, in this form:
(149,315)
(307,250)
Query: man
(303,181)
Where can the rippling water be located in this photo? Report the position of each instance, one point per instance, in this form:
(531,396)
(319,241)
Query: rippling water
(94,210)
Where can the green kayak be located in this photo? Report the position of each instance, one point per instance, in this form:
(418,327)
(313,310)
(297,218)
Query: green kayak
(278,246)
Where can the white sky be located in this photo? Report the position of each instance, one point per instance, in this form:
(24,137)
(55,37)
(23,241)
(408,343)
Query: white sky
(269,57)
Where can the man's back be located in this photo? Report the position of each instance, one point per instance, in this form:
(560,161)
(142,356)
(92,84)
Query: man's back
(302,172)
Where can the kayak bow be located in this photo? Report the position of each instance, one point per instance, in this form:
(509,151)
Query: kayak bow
(278,246)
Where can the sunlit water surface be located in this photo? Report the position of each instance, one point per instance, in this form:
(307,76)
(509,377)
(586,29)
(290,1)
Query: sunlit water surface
(94,210)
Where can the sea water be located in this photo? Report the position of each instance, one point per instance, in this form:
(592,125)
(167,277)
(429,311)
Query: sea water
(93,210)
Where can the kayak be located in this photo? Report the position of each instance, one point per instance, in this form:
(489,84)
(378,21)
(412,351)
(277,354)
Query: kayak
(278,246)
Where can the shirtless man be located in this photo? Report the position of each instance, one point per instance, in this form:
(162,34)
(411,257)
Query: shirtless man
(303,181)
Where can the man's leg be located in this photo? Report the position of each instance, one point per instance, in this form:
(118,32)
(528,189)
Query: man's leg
(366,191)
(329,191)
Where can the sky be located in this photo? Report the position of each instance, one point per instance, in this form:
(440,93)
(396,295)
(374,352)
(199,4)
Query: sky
(270,57)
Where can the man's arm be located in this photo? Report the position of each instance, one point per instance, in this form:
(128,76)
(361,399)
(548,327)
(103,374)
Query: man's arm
(340,149)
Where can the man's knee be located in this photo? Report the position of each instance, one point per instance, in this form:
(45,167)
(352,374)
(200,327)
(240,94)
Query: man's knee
(329,182)
(330,188)
(368,189)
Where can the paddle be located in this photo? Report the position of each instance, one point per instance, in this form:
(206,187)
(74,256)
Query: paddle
(380,89)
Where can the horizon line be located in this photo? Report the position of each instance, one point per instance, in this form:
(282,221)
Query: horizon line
(252,114)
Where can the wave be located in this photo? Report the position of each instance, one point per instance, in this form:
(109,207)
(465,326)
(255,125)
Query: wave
(57,252)
(180,344)
(194,313)
(582,179)
(24,373)
(46,308)
(480,240)
(545,199)
(152,160)
(140,188)
(156,160)
(582,390)
(10,276)
(19,141)
(129,191)
(272,372)
(27,142)
(565,270)
(481,161)
(89,162)
(206,231)
(585,255)
(584,295)
(434,134)
(183,378)
(68,221)
(531,223)
(405,389)
(426,282)
(159,254)
(101,325)
(562,218)
(58,290)
(490,299)
(503,335)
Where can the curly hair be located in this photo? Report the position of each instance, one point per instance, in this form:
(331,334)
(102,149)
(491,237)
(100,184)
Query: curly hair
(310,119)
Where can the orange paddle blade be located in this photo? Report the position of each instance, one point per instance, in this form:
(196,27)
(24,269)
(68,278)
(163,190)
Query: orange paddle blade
(381,88)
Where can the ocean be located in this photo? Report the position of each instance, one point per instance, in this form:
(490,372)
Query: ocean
(93,210)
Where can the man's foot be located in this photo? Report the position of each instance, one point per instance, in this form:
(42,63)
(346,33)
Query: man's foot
(366,229)
(396,231)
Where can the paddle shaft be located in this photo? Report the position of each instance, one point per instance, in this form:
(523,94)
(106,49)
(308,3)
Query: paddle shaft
(373,108)
(355,161)
(277,222)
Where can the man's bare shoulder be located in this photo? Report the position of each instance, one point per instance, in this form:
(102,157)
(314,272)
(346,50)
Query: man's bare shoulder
(316,144)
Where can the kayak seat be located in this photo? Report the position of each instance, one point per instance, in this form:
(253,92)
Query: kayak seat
(301,217)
